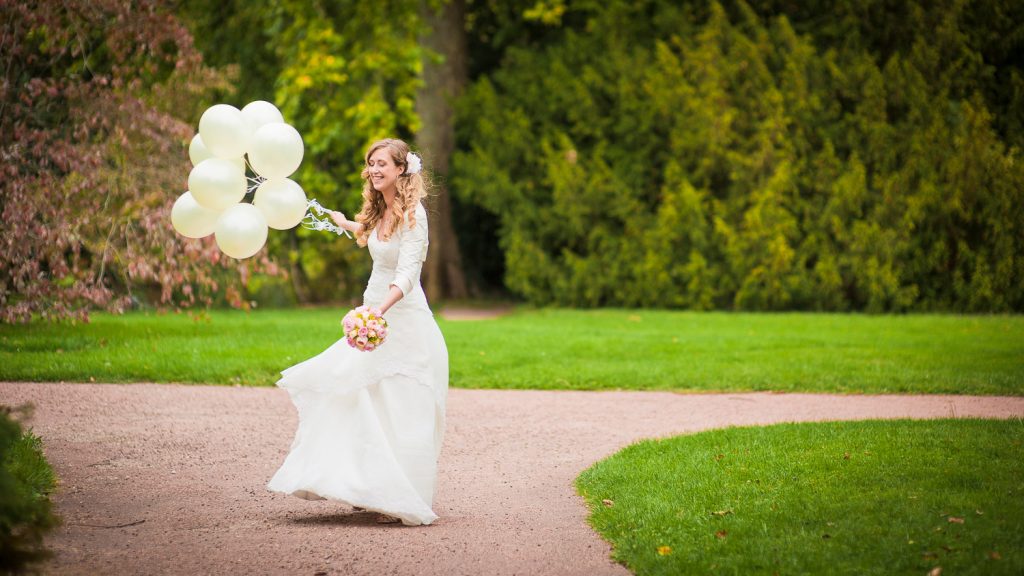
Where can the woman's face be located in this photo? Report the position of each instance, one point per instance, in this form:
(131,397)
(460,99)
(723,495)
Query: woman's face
(383,171)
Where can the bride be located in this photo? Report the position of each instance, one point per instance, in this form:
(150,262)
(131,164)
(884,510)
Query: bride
(371,423)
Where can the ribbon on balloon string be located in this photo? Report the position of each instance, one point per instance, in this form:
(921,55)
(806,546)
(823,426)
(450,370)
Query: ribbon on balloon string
(311,222)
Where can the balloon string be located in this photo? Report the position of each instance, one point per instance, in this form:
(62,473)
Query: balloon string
(255,183)
(311,222)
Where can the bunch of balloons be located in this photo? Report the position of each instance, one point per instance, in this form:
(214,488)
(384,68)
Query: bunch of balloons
(218,181)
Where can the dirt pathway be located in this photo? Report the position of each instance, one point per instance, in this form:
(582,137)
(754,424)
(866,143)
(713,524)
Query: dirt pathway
(163,479)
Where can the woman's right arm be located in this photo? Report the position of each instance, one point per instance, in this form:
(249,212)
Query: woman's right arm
(345,223)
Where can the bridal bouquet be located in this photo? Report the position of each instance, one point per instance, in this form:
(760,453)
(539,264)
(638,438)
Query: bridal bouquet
(364,329)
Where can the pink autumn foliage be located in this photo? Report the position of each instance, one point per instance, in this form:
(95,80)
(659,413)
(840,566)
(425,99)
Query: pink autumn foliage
(98,102)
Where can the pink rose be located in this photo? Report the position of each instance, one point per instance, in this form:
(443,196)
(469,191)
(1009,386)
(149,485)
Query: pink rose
(363,331)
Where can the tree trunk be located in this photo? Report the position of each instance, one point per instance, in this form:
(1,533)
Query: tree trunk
(443,82)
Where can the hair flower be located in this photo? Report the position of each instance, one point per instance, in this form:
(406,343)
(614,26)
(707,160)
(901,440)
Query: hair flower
(412,163)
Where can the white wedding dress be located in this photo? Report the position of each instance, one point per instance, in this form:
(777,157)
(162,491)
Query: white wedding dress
(371,423)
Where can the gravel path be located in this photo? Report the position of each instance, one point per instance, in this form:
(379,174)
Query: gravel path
(166,479)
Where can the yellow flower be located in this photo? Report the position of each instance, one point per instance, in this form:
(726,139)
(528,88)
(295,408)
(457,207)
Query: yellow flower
(664,550)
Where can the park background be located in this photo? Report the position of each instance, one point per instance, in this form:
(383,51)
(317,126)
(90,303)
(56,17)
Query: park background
(822,196)
(830,156)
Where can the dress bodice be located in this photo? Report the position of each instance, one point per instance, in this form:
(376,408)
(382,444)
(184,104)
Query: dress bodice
(399,261)
(384,254)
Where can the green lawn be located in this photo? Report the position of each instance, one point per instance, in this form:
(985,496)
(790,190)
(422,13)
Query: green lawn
(596,349)
(874,497)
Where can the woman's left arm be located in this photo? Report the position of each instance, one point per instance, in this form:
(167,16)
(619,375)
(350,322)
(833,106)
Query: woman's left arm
(411,254)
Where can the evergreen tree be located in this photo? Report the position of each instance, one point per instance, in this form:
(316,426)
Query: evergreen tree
(843,156)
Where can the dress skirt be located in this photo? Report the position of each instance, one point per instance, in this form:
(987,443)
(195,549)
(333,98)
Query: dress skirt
(371,424)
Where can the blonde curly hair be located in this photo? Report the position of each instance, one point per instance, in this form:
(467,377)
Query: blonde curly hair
(411,189)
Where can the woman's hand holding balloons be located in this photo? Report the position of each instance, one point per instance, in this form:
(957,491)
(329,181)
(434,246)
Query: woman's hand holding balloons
(339,218)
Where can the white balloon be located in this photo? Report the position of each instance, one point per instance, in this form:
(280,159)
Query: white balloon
(241,231)
(275,150)
(217,183)
(197,152)
(282,202)
(225,131)
(261,112)
(190,219)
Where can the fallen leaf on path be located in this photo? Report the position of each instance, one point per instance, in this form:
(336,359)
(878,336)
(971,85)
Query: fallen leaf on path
(664,550)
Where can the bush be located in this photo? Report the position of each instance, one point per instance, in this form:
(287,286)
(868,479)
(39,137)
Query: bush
(26,480)
(857,156)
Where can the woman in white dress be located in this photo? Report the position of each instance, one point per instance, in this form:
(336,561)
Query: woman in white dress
(371,423)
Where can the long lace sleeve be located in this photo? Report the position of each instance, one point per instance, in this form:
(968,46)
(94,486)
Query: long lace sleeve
(411,253)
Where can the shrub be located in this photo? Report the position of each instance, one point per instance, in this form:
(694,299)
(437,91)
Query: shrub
(26,480)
